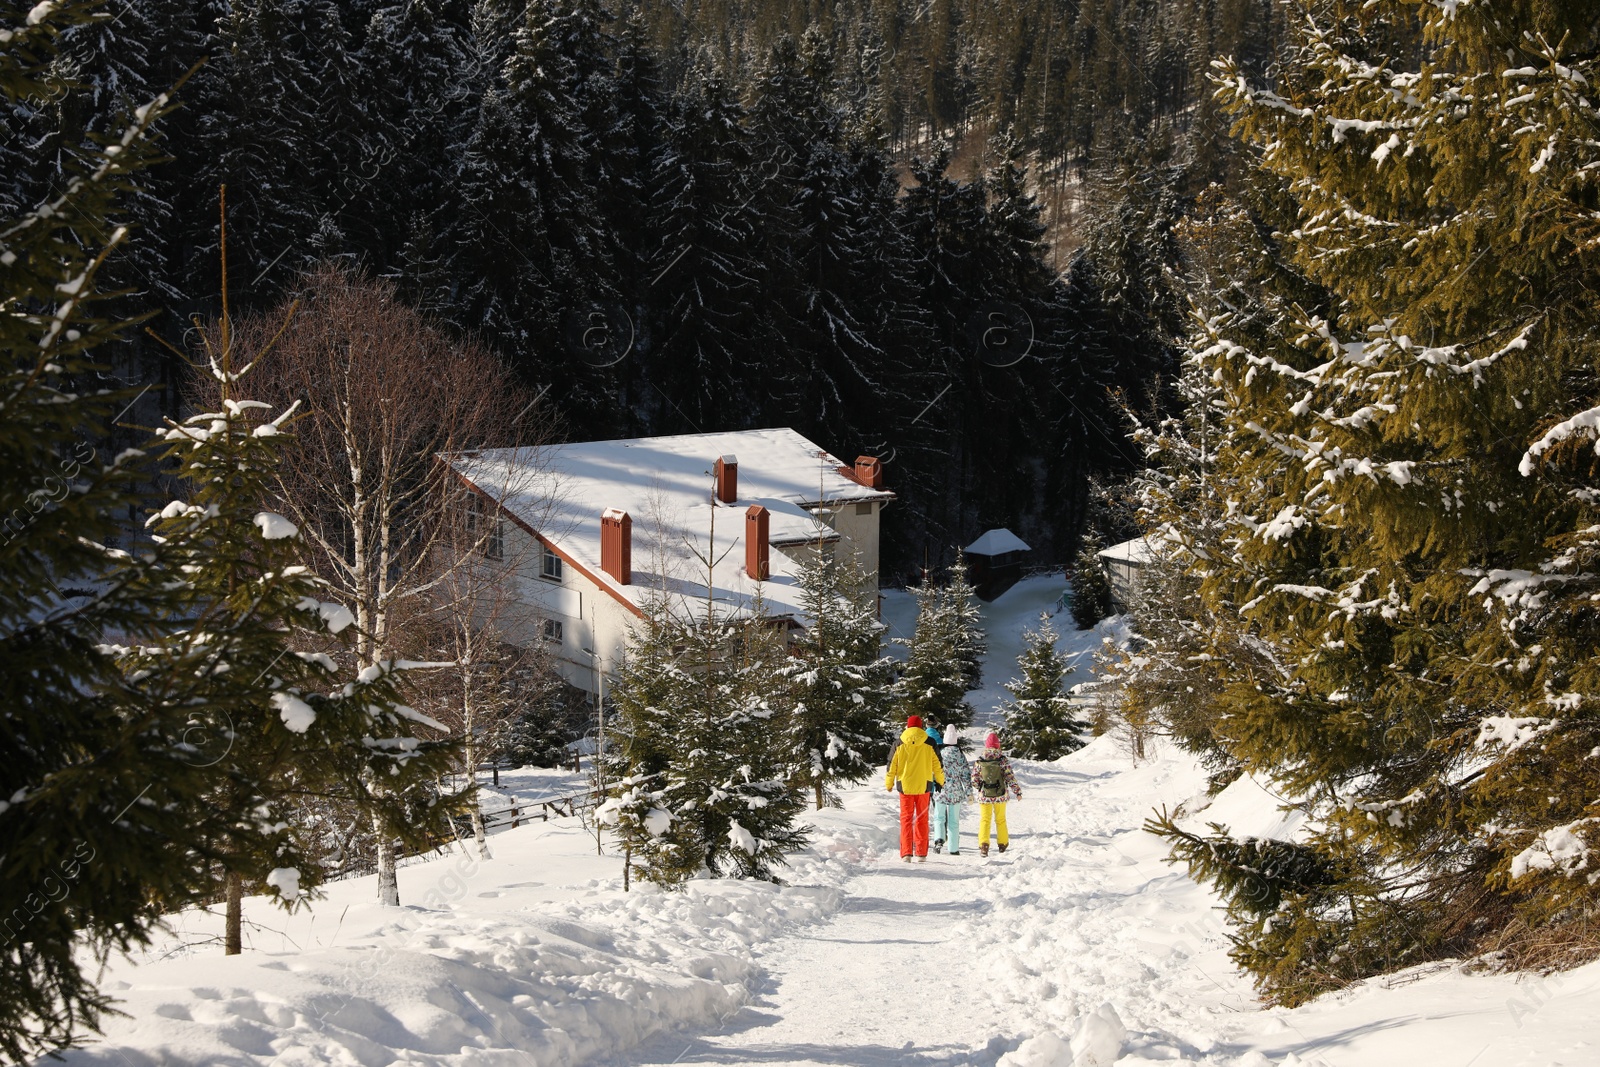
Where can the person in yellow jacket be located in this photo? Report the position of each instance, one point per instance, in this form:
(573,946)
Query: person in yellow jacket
(914,769)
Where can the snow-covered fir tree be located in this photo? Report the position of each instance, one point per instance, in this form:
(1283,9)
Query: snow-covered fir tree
(547,717)
(275,719)
(1039,719)
(705,278)
(99,798)
(966,619)
(1091,590)
(638,751)
(838,678)
(135,783)
(819,254)
(932,684)
(1167,677)
(529,229)
(698,762)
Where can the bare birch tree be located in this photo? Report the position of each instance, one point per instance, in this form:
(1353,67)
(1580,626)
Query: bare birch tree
(385,393)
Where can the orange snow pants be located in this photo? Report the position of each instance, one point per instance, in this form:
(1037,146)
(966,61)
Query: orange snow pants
(914,823)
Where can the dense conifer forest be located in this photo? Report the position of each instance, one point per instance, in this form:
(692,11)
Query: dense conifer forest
(931,232)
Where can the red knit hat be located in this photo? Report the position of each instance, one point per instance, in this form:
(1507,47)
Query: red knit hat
(913,723)
(992,741)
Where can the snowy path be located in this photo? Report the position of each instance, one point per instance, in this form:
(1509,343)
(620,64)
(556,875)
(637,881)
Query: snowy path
(946,962)
(955,961)
(861,988)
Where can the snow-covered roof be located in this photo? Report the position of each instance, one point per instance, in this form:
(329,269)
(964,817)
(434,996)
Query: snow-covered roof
(665,484)
(1136,550)
(995,542)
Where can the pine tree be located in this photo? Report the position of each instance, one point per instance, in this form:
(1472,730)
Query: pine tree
(944,222)
(836,674)
(932,684)
(640,750)
(1128,269)
(263,100)
(698,779)
(1407,489)
(1091,590)
(823,248)
(704,276)
(100,799)
(631,145)
(538,735)
(1283,898)
(418,82)
(1169,676)
(134,51)
(966,618)
(530,239)
(1039,720)
(134,780)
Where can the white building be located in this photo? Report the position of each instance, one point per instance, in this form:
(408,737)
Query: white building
(1121,563)
(600,528)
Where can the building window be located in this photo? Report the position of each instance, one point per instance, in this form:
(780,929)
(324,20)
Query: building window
(549,565)
(552,631)
(864,508)
(494,540)
(494,545)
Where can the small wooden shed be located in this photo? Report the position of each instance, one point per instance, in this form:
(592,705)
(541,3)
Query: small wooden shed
(994,562)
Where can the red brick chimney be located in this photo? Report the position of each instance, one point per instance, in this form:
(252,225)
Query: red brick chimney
(616,545)
(755,542)
(727,472)
(869,472)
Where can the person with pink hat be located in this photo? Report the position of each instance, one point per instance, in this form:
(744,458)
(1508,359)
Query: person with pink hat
(991,779)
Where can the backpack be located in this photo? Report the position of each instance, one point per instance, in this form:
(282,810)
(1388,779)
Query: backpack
(991,777)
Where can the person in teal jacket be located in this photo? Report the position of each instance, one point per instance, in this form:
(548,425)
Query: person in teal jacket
(935,742)
(957,791)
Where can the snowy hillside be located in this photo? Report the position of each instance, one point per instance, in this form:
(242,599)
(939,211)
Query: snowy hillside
(536,956)
(1078,946)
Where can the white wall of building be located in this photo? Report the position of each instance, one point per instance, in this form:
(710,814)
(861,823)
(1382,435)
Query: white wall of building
(858,525)
(594,626)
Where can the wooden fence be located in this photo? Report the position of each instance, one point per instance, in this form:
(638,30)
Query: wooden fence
(522,811)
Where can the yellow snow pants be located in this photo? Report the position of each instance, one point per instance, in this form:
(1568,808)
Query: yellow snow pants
(997,812)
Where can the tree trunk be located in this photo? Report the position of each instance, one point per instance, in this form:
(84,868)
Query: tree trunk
(479,834)
(388,884)
(818,785)
(469,746)
(232,939)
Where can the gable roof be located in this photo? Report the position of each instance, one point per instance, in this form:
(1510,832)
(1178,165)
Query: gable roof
(1135,550)
(995,542)
(665,485)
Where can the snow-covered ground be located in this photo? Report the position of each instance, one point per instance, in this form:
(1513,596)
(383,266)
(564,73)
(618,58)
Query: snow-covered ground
(1078,946)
